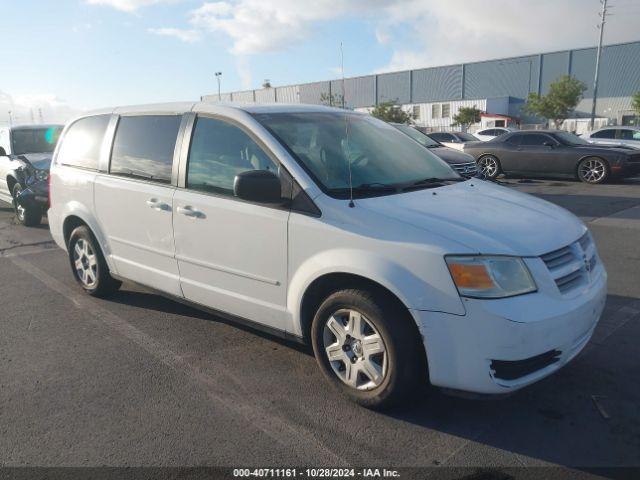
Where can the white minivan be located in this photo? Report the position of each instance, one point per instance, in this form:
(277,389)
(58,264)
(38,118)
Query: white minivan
(333,228)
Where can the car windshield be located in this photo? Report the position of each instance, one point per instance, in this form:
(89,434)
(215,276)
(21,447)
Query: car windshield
(570,139)
(466,137)
(34,140)
(381,157)
(418,136)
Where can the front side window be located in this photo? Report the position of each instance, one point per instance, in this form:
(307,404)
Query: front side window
(568,138)
(219,151)
(82,142)
(418,136)
(34,140)
(608,133)
(144,146)
(334,146)
(466,137)
(629,134)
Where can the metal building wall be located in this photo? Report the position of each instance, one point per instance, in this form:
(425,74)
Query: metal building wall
(243,97)
(289,94)
(554,65)
(514,77)
(265,95)
(358,91)
(394,87)
(436,84)
(312,92)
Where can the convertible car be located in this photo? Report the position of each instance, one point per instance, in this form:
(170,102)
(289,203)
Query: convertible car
(553,153)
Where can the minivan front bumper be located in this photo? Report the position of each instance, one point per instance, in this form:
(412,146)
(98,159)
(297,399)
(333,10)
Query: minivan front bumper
(500,346)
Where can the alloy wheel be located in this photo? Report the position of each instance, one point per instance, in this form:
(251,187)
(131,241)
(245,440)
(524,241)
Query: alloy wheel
(592,170)
(86,263)
(488,166)
(355,349)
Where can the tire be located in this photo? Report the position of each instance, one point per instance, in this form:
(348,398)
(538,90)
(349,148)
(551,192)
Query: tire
(88,265)
(489,166)
(593,170)
(27,216)
(373,380)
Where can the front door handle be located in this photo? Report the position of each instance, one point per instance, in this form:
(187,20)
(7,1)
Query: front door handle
(189,211)
(157,204)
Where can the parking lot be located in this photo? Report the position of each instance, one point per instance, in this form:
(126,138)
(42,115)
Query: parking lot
(140,380)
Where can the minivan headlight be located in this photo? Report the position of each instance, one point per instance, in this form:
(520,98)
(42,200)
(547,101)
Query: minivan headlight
(484,276)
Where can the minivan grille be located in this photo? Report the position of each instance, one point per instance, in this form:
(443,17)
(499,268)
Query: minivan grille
(570,266)
(468,169)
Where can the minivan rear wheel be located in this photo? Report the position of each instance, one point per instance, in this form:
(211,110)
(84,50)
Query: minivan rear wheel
(367,347)
(88,264)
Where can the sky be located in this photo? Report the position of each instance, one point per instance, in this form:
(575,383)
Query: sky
(64,56)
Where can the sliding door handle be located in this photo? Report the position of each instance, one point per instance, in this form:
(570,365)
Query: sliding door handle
(189,211)
(157,204)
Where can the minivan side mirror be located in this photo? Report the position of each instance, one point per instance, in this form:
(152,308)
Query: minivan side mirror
(261,186)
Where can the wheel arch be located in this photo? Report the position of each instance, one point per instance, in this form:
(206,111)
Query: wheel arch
(11,182)
(585,157)
(77,215)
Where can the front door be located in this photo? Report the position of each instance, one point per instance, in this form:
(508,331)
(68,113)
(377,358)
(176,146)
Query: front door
(232,254)
(133,203)
(536,154)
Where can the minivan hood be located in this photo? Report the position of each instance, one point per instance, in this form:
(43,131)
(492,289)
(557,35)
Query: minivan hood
(487,218)
(452,156)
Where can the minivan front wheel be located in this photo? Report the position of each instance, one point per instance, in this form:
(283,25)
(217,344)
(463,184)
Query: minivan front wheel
(88,264)
(367,347)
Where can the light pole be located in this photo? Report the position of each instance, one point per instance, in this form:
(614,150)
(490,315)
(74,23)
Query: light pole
(603,15)
(218,75)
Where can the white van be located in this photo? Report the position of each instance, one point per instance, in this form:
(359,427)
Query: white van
(333,228)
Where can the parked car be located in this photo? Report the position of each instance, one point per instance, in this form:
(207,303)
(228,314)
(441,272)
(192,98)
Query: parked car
(454,140)
(462,163)
(553,153)
(620,136)
(491,133)
(334,228)
(25,157)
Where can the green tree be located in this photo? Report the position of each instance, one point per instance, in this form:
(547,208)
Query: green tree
(391,112)
(466,116)
(564,94)
(635,103)
(332,100)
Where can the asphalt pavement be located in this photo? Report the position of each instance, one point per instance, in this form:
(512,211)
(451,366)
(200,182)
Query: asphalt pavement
(138,380)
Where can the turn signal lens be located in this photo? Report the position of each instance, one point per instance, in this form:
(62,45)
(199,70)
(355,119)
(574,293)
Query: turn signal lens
(470,276)
(490,276)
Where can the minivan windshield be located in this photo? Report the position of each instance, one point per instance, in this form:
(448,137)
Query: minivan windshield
(382,159)
(418,136)
(34,140)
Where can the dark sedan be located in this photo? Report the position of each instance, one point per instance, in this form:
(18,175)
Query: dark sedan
(553,153)
(462,163)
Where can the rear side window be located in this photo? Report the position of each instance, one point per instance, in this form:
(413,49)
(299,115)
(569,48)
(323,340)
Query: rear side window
(609,133)
(219,151)
(535,140)
(144,145)
(82,142)
(629,135)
